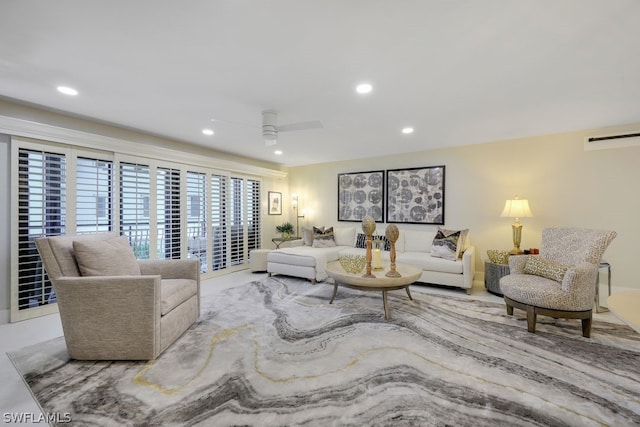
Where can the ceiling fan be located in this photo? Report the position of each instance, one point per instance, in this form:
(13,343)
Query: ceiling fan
(270,128)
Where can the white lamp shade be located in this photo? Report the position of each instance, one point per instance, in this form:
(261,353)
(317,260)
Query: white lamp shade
(517,208)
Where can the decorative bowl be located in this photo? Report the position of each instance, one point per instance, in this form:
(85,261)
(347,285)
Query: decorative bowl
(352,263)
(498,257)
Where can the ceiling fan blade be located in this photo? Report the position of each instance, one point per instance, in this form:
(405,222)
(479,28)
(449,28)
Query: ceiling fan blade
(316,124)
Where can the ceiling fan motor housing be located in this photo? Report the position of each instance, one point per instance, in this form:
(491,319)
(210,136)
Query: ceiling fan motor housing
(269,127)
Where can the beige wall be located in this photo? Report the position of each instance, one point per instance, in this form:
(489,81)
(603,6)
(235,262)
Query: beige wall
(565,185)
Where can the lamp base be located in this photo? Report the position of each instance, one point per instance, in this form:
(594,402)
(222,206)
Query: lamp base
(516,251)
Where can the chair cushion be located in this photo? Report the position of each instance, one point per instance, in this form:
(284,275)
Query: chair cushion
(112,257)
(174,292)
(541,292)
(539,266)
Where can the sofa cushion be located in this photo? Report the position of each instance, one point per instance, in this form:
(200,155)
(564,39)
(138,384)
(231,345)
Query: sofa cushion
(323,237)
(344,236)
(418,241)
(174,292)
(111,257)
(448,244)
(539,266)
(430,263)
(305,256)
(307,236)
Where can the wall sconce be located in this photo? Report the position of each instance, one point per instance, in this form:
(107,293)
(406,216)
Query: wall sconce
(516,208)
(294,205)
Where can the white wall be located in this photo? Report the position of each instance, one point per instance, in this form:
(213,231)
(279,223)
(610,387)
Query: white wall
(565,185)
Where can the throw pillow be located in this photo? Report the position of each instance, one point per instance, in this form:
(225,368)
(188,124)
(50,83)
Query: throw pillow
(112,257)
(541,267)
(445,244)
(307,236)
(344,236)
(323,237)
(462,240)
(361,241)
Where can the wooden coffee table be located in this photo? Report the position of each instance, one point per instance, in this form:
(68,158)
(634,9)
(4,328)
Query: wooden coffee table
(379,283)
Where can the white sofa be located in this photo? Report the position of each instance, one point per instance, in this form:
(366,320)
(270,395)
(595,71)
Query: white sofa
(412,247)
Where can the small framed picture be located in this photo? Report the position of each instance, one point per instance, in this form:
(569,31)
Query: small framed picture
(275,203)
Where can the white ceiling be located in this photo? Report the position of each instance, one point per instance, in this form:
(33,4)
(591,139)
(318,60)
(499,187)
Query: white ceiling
(459,71)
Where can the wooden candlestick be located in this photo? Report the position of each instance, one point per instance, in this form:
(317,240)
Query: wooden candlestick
(368,226)
(392,233)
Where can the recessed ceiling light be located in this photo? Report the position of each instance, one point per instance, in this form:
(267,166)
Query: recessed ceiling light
(67,90)
(278,152)
(407,130)
(207,131)
(363,88)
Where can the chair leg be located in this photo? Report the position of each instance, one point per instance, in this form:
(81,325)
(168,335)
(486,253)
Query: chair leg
(586,327)
(509,309)
(531,319)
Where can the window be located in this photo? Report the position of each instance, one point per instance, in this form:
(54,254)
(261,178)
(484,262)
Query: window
(93,195)
(197,225)
(219,221)
(41,212)
(134,207)
(167,210)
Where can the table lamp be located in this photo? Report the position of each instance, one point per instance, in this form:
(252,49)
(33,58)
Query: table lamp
(516,208)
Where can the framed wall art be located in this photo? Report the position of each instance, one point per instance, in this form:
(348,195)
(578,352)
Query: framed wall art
(275,203)
(416,195)
(361,194)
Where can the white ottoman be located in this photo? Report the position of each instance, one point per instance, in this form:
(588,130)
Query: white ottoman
(258,259)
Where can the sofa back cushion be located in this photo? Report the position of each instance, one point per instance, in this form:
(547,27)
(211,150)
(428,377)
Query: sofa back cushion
(344,236)
(418,241)
(112,257)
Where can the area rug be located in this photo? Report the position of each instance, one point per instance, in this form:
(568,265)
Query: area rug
(274,352)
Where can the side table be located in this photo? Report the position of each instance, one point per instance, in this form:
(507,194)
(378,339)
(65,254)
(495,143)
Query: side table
(280,240)
(492,275)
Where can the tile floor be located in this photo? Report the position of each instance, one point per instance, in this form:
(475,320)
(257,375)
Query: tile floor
(15,397)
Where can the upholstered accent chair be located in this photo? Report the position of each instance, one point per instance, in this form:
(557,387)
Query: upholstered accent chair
(560,281)
(114,307)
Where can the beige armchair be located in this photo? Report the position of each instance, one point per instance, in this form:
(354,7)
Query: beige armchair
(114,307)
(561,281)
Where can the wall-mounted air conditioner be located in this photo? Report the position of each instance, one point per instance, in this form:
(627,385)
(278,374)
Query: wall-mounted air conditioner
(619,140)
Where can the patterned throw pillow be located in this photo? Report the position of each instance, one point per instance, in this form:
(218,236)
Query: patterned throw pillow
(361,241)
(447,244)
(541,267)
(323,237)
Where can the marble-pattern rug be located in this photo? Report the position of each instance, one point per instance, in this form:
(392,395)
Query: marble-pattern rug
(274,352)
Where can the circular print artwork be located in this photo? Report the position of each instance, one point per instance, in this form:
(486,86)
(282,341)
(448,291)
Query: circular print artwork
(416,195)
(361,194)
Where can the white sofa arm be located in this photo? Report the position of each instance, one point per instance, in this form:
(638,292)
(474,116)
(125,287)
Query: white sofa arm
(469,266)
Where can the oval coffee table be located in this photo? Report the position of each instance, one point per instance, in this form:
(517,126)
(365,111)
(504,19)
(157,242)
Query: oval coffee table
(379,283)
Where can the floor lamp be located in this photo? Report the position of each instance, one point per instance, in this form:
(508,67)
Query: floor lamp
(516,208)
(294,204)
